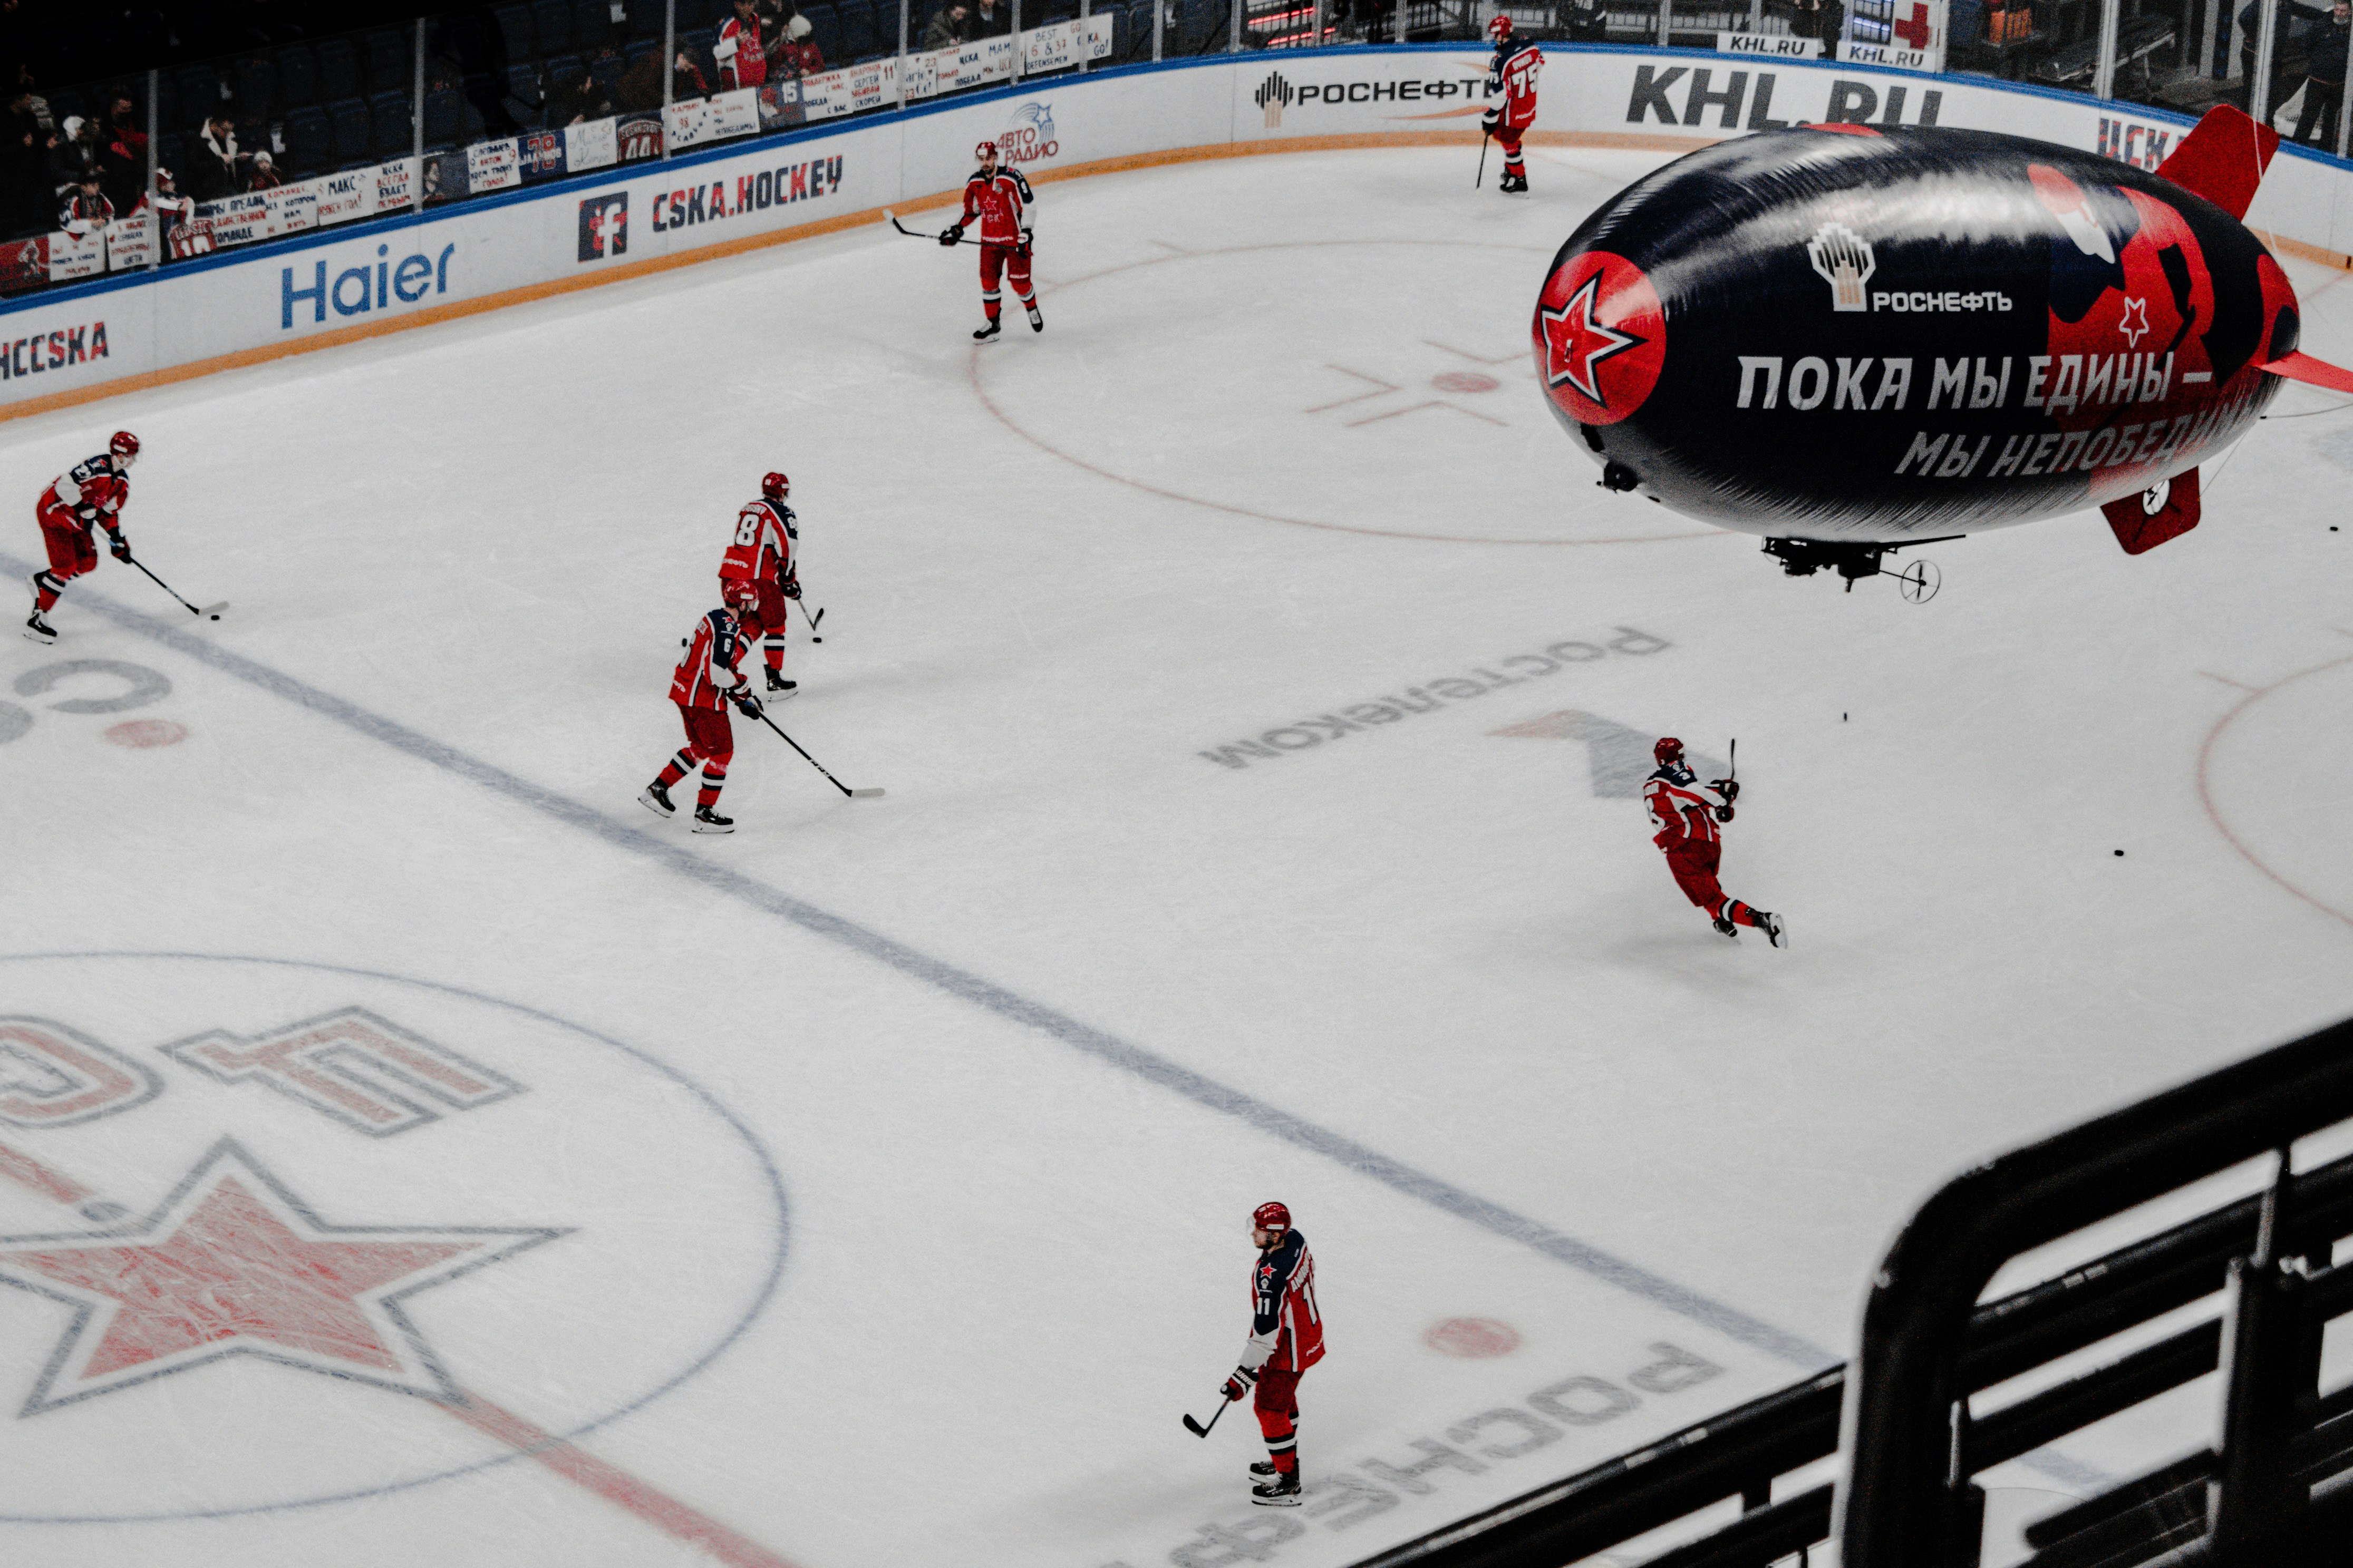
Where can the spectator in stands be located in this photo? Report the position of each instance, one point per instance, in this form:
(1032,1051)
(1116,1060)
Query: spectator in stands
(2324,87)
(35,105)
(990,20)
(797,54)
(25,202)
(171,208)
(578,99)
(217,173)
(1823,19)
(75,155)
(951,28)
(263,175)
(124,158)
(2288,34)
(86,207)
(642,89)
(743,62)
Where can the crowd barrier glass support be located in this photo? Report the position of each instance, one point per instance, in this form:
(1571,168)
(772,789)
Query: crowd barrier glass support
(2211,44)
(1666,18)
(2259,88)
(416,117)
(1315,25)
(2344,81)
(668,69)
(1234,29)
(901,80)
(1086,10)
(2104,75)
(154,156)
(1016,19)
(1159,23)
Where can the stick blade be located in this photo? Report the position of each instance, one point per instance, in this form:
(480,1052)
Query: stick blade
(1194,1427)
(866,795)
(215,611)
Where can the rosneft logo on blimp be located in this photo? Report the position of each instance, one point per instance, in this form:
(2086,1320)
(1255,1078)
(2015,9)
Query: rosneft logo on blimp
(1599,337)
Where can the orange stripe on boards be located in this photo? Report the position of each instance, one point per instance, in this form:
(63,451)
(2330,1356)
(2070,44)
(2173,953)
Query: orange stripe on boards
(613,1485)
(2303,250)
(25,1171)
(617,271)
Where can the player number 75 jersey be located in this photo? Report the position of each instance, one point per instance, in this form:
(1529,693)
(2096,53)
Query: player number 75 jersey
(1513,75)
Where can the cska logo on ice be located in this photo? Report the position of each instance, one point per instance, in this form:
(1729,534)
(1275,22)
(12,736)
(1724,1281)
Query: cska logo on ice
(1030,136)
(604,226)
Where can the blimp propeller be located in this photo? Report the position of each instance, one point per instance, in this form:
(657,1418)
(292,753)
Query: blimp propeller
(1856,344)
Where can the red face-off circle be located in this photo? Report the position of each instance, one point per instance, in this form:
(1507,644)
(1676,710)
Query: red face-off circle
(143,733)
(1601,337)
(1473,1339)
(1464,381)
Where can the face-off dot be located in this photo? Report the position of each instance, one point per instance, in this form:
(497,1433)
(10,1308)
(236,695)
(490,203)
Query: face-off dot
(145,733)
(1472,1339)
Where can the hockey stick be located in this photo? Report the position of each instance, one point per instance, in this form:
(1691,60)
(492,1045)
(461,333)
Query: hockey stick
(210,611)
(1197,1429)
(892,219)
(795,745)
(812,621)
(1485,136)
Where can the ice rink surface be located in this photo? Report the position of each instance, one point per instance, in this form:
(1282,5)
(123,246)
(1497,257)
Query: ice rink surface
(1260,684)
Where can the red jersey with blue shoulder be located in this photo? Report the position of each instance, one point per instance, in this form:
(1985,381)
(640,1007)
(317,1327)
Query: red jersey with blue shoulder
(1513,75)
(1001,202)
(766,533)
(1283,1305)
(1681,810)
(92,482)
(708,675)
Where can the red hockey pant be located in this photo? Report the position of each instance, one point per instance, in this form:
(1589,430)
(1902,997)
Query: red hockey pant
(711,744)
(72,552)
(1015,260)
(1507,137)
(1694,867)
(1277,1405)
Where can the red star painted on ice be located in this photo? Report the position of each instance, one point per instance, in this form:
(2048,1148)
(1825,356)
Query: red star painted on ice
(1576,344)
(2135,325)
(233,1264)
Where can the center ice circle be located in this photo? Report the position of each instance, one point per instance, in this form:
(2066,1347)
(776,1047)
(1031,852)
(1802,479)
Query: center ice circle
(1370,387)
(429,1109)
(2300,717)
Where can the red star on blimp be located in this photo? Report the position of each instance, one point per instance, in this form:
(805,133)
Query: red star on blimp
(1576,343)
(2135,323)
(233,1264)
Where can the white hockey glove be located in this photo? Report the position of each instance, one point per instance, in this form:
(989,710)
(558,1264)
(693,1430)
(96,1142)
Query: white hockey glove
(1240,1383)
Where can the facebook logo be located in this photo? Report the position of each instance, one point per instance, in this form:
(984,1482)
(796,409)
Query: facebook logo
(604,226)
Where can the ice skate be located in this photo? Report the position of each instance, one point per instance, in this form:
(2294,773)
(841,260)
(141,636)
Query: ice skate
(1514,185)
(1723,924)
(1776,930)
(989,331)
(657,800)
(1277,1492)
(1263,1470)
(39,630)
(709,821)
(1037,321)
(780,686)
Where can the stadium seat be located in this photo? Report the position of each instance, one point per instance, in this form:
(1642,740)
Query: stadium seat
(339,71)
(632,52)
(592,20)
(355,135)
(697,46)
(526,96)
(391,61)
(608,76)
(310,140)
(515,31)
(825,30)
(443,115)
(171,147)
(551,23)
(646,19)
(298,76)
(694,13)
(389,112)
(200,93)
(257,87)
(856,18)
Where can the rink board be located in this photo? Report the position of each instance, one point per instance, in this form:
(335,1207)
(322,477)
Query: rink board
(96,339)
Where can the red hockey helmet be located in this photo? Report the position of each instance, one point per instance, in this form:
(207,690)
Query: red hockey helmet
(124,445)
(1499,26)
(1667,750)
(740,593)
(775,487)
(986,151)
(1275,1217)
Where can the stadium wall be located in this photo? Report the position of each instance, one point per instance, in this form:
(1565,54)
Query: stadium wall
(121,333)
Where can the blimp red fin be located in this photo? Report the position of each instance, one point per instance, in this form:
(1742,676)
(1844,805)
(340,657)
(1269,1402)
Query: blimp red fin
(2137,528)
(2222,159)
(2312,372)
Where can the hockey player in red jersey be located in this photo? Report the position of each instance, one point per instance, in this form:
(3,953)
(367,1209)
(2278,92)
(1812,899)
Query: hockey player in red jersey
(762,555)
(1513,75)
(706,681)
(1687,823)
(90,494)
(999,200)
(1286,1338)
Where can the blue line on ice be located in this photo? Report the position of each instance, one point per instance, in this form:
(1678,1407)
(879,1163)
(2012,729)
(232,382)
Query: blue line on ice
(917,965)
